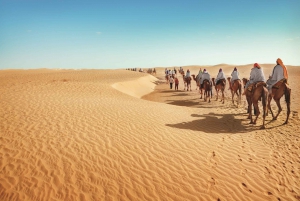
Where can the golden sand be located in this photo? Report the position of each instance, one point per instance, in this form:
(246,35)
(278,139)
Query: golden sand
(124,135)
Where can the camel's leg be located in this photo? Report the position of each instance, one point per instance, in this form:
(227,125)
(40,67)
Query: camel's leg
(255,104)
(250,113)
(223,97)
(264,116)
(232,96)
(237,101)
(248,101)
(279,108)
(265,105)
(240,94)
(288,103)
(269,105)
(249,110)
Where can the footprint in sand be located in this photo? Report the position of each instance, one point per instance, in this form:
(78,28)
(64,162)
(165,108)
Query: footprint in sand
(244,171)
(246,187)
(239,158)
(211,182)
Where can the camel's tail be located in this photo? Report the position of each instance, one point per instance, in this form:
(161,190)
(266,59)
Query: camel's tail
(264,97)
(287,94)
(240,89)
(240,92)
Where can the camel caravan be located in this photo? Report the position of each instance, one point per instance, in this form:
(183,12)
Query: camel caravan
(256,88)
(150,70)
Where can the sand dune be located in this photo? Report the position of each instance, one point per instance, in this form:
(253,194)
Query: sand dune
(123,135)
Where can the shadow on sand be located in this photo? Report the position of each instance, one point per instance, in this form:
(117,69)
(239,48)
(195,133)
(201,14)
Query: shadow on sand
(215,123)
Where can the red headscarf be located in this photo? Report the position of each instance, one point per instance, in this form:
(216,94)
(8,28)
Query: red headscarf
(285,73)
(256,65)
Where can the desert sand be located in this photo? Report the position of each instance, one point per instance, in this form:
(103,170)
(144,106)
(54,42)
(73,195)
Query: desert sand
(124,135)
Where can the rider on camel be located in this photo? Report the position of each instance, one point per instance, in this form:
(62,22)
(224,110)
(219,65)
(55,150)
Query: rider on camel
(220,76)
(234,76)
(279,73)
(256,75)
(198,77)
(188,74)
(205,76)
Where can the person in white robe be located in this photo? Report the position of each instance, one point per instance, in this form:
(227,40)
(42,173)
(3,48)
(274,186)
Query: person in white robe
(256,75)
(188,74)
(198,77)
(220,76)
(279,73)
(205,76)
(234,76)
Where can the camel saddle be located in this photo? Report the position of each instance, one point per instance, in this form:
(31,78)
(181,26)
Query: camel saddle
(201,86)
(279,83)
(255,85)
(258,84)
(188,78)
(220,81)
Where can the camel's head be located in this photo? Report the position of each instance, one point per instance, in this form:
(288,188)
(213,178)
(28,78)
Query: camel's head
(229,78)
(245,80)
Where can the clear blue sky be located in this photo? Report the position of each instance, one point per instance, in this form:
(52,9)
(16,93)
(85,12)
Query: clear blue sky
(124,34)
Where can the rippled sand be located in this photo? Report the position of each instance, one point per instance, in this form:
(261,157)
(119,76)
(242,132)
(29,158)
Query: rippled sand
(123,135)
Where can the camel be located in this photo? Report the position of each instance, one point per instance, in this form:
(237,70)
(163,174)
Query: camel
(187,82)
(278,90)
(220,87)
(207,87)
(248,97)
(154,71)
(198,85)
(235,88)
(197,81)
(259,92)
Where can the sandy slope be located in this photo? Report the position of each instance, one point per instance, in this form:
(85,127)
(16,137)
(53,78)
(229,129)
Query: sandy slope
(78,135)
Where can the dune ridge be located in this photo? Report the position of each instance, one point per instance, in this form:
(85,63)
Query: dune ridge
(96,135)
